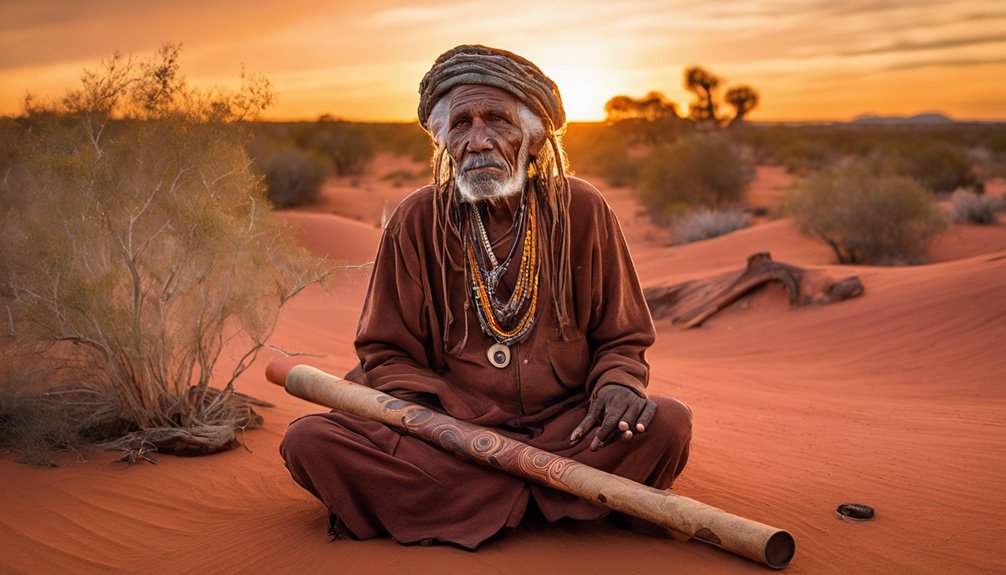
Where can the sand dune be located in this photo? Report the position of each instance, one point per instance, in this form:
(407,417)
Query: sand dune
(894,399)
(335,237)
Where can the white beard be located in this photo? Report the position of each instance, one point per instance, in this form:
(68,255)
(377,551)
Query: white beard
(481,186)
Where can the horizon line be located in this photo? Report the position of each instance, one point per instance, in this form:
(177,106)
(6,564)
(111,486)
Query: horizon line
(414,120)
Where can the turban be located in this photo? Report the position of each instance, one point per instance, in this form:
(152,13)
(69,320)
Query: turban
(474,64)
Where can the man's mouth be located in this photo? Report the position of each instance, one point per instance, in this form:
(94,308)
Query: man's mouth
(483,164)
(485,169)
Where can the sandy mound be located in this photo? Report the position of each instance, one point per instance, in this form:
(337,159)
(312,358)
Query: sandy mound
(334,237)
(967,240)
(370,197)
(893,399)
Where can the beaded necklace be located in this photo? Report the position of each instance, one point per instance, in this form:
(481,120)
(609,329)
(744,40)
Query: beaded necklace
(500,319)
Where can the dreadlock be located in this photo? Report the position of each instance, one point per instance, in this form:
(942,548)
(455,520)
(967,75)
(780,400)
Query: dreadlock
(539,99)
(547,178)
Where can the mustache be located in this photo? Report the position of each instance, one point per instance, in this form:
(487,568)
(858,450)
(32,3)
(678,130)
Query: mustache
(474,162)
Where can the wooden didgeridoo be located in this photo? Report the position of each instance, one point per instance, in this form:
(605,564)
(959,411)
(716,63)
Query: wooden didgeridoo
(757,541)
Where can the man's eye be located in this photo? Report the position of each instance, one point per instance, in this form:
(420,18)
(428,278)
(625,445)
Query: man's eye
(497,118)
(461,123)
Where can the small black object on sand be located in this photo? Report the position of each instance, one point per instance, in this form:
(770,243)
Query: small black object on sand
(856,511)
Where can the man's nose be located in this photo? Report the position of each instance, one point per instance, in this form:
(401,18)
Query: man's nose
(478,137)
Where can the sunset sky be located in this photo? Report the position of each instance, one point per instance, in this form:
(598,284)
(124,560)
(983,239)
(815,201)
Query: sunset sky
(363,59)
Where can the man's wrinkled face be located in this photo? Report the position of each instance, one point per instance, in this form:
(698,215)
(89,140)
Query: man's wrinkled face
(486,143)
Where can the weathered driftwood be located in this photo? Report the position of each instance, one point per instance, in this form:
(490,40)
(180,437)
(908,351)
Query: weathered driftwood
(757,541)
(693,302)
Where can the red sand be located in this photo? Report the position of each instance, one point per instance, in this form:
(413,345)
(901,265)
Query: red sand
(894,399)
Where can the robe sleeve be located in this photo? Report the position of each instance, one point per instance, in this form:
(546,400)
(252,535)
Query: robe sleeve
(394,332)
(620,328)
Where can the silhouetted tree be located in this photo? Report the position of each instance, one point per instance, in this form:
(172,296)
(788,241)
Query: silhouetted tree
(703,84)
(743,99)
(656,106)
(619,108)
(650,120)
(652,106)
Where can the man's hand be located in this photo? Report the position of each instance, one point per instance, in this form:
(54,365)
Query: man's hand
(620,412)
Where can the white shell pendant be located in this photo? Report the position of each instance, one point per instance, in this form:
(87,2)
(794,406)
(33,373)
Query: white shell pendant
(499,355)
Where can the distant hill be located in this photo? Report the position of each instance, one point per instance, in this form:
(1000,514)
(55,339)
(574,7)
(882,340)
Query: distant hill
(927,119)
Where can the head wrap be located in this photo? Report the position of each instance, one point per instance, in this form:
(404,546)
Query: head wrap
(475,64)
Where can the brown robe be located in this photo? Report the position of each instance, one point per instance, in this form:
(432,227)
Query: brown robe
(375,480)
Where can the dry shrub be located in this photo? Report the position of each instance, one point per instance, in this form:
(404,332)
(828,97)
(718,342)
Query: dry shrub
(347,145)
(39,424)
(704,224)
(138,245)
(604,150)
(939,166)
(867,218)
(402,139)
(699,170)
(972,208)
(293,176)
(806,155)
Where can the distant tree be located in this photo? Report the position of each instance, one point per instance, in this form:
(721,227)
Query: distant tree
(653,106)
(651,120)
(743,99)
(619,108)
(703,84)
(656,106)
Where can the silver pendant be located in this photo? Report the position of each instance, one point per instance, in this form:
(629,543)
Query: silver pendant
(499,355)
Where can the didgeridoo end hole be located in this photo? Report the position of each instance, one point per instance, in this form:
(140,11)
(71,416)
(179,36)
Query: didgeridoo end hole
(278,369)
(779,550)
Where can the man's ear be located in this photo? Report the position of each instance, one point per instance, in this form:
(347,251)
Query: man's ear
(537,143)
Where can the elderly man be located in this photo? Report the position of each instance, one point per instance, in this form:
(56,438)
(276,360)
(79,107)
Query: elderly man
(503,294)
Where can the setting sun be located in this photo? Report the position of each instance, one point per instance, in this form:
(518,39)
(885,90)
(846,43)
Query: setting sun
(584,92)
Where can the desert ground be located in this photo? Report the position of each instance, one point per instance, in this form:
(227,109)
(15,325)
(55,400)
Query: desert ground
(895,399)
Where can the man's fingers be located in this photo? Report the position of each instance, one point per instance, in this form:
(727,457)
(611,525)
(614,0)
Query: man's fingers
(621,414)
(631,416)
(593,413)
(609,426)
(646,417)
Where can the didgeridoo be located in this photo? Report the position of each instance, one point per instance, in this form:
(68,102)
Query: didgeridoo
(757,541)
